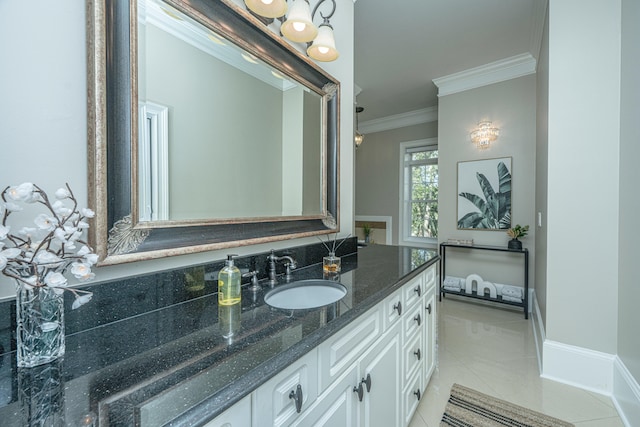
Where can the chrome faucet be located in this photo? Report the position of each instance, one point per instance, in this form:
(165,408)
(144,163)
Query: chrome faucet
(289,265)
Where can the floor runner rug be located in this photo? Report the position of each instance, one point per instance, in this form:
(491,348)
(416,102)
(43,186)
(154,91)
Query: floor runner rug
(470,408)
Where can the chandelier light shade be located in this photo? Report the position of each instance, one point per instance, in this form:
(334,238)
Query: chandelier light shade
(323,47)
(484,134)
(358,138)
(299,25)
(267,8)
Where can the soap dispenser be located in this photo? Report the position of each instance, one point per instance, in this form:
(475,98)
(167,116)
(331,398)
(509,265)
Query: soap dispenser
(229,283)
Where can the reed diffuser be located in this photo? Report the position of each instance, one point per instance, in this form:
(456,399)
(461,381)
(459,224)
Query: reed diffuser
(331,264)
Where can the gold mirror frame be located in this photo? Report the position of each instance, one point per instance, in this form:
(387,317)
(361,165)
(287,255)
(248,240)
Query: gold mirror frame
(112,135)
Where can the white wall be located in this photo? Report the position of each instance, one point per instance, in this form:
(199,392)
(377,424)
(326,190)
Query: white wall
(583,167)
(510,105)
(43,135)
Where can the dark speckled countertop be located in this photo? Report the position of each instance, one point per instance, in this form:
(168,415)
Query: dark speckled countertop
(141,358)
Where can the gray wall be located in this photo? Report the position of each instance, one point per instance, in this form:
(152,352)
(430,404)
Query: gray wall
(377,181)
(629,235)
(542,143)
(510,105)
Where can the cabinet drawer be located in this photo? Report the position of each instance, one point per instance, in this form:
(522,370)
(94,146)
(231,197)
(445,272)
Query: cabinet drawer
(413,291)
(239,415)
(272,404)
(414,356)
(394,307)
(411,397)
(413,322)
(338,352)
(429,277)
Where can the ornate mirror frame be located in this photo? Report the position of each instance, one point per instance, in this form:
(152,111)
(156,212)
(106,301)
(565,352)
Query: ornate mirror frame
(113,127)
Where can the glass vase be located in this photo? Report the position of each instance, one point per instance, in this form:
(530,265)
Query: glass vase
(40,325)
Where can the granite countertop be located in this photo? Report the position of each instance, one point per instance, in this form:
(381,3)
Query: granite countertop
(176,363)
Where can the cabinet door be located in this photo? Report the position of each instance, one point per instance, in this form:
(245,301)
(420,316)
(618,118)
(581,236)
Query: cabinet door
(274,403)
(338,406)
(394,307)
(430,329)
(239,415)
(413,291)
(381,405)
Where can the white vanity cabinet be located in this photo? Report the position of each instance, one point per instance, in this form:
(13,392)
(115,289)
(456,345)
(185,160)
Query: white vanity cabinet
(371,373)
(239,415)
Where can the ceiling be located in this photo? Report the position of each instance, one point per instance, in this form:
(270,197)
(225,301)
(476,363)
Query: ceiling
(401,46)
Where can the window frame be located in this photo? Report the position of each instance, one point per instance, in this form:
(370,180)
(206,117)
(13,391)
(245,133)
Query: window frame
(404,223)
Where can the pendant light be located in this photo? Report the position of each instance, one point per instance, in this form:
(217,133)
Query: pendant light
(323,47)
(267,8)
(299,25)
(358,138)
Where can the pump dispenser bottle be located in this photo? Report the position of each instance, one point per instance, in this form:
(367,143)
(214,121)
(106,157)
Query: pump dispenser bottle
(229,283)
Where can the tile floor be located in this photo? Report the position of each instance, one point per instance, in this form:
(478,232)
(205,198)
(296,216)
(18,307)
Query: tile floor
(492,350)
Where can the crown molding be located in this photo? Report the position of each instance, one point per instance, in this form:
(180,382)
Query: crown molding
(538,17)
(416,117)
(494,72)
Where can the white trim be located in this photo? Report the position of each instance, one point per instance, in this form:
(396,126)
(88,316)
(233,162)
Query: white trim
(154,161)
(537,24)
(626,394)
(402,224)
(498,71)
(378,218)
(416,117)
(579,367)
(539,334)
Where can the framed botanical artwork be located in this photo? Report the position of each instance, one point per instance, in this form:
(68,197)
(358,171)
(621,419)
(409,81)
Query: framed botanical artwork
(484,194)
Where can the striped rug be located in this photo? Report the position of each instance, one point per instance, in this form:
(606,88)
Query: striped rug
(469,408)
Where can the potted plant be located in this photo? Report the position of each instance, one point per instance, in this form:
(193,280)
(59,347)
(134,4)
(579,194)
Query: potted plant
(366,228)
(515,233)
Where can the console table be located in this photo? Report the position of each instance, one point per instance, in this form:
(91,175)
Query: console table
(525,252)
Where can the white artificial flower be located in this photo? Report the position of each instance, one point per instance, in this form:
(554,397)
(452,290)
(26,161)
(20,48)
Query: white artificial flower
(11,253)
(82,225)
(53,279)
(46,257)
(84,250)
(62,193)
(60,235)
(21,193)
(91,258)
(45,222)
(28,232)
(80,300)
(30,282)
(88,213)
(4,231)
(82,271)
(3,262)
(60,208)
(12,207)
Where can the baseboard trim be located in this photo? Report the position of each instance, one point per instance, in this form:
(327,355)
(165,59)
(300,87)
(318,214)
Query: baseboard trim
(579,367)
(538,329)
(626,394)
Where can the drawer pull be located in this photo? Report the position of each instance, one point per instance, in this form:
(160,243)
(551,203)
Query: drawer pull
(418,354)
(359,390)
(418,319)
(297,397)
(398,307)
(429,308)
(417,393)
(417,290)
(367,382)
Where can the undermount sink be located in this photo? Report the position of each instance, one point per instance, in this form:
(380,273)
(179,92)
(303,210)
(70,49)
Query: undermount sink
(305,294)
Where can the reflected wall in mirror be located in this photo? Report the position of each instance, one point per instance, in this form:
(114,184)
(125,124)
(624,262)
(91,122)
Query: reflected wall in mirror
(254,152)
(206,131)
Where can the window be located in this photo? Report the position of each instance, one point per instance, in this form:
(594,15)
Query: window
(419,192)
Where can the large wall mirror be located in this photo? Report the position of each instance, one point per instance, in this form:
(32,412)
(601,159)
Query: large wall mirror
(206,131)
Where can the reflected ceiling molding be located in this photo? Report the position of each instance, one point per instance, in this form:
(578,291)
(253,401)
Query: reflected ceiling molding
(494,72)
(184,28)
(416,117)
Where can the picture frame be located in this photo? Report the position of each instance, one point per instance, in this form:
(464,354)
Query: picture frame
(484,194)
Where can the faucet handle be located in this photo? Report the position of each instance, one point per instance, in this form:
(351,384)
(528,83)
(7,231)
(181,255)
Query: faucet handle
(255,286)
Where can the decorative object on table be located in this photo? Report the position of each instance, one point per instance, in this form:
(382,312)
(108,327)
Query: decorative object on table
(466,242)
(37,258)
(470,281)
(482,287)
(366,228)
(515,233)
(492,209)
(332,264)
(471,408)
